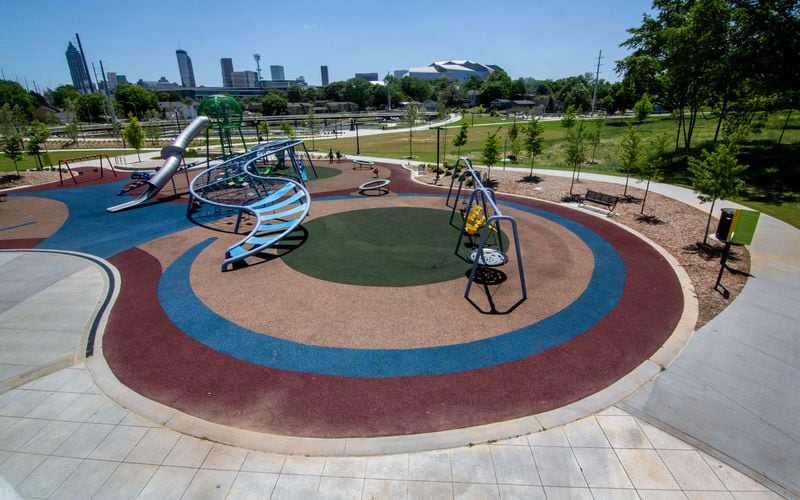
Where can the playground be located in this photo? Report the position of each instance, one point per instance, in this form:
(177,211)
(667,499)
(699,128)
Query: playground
(266,293)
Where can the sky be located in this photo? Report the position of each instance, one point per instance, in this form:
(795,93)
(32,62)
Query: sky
(528,38)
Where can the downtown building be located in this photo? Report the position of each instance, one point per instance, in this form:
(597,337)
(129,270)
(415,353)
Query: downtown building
(185,68)
(77,70)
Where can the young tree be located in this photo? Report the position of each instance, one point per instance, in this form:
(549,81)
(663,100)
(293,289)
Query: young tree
(491,152)
(72,130)
(576,151)
(717,175)
(534,140)
(461,138)
(652,168)
(411,118)
(151,132)
(13,149)
(263,130)
(288,130)
(630,152)
(594,136)
(643,108)
(311,123)
(38,134)
(570,117)
(134,134)
(513,137)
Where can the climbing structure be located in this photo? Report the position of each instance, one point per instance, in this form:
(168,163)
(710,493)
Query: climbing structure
(225,114)
(246,184)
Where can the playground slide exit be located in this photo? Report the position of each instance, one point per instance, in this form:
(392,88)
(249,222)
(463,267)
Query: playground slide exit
(172,155)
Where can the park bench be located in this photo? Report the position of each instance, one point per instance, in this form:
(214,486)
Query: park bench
(607,200)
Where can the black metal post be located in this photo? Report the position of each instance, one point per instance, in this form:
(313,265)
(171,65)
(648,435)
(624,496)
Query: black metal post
(722,262)
(358,146)
(438,130)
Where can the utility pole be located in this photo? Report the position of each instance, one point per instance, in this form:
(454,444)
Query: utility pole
(108,94)
(596,79)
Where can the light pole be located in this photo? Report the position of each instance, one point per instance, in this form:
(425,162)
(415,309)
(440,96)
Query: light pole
(358,146)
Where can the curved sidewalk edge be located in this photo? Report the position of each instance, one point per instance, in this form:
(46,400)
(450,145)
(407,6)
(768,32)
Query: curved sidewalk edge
(51,303)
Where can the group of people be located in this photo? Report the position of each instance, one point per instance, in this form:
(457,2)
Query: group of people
(331,155)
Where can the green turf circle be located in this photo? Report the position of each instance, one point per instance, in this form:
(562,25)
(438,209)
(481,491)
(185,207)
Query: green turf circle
(404,246)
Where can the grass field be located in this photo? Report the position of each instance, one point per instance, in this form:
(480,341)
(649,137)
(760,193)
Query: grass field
(772,181)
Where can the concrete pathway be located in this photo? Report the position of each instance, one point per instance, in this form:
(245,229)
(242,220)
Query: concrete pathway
(48,302)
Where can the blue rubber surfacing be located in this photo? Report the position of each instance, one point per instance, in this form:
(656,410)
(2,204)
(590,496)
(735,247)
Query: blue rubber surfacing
(195,319)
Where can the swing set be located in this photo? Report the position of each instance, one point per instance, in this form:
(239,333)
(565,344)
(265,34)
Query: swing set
(482,219)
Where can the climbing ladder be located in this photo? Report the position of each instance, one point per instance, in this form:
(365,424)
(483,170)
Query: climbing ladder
(278,204)
(482,217)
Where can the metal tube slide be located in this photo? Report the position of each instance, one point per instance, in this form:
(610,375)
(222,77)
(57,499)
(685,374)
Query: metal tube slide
(172,155)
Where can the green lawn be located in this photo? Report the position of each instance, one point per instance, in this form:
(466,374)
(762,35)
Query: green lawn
(53,157)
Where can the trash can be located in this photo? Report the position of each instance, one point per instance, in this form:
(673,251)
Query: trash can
(724,226)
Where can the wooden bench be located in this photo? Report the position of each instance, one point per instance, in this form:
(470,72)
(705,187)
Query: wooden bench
(607,200)
(361,164)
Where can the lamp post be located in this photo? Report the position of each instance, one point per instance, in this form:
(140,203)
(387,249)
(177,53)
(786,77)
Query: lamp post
(358,146)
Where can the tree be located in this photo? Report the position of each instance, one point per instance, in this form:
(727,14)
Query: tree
(594,136)
(37,136)
(570,117)
(13,149)
(534,140)
(576,151)
(11,119)
(61,94)
(263,128)
(652,168)
(294,94)
(411,118)
(91,107)
(134,134)
(288,130)
(311,123)
(491,153)
(513,137)
(461,138)
(135,100)
(717,175)
(630,152)
(358,91)
(152,132)
(274,104)
(643,108)
(72,130)
(13,94)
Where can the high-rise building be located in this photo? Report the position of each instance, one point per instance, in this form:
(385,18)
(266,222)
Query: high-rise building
(112,81)
(324,71)
(226,63)
(244,79)
(277,73)
(77,70)
(185,69)
(370,77)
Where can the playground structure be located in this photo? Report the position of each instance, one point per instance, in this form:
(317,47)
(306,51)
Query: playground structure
(225,116)
(173,156)
(490,251)
(246,184)
(62,164)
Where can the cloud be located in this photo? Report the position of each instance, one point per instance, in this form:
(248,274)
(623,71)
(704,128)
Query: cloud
(309,26)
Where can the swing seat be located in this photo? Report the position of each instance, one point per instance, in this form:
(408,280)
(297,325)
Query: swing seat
(489,257)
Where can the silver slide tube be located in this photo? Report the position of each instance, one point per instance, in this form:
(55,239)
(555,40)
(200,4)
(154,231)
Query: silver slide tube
(172,155)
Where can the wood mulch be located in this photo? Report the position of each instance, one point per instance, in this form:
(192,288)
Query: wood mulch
(676,227)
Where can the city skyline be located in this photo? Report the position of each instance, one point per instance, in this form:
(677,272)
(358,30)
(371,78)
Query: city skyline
(527,39)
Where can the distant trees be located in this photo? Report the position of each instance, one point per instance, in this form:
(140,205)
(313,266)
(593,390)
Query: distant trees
(734,56)
(274,104)
(14,95)
(92,107)
(134,100)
